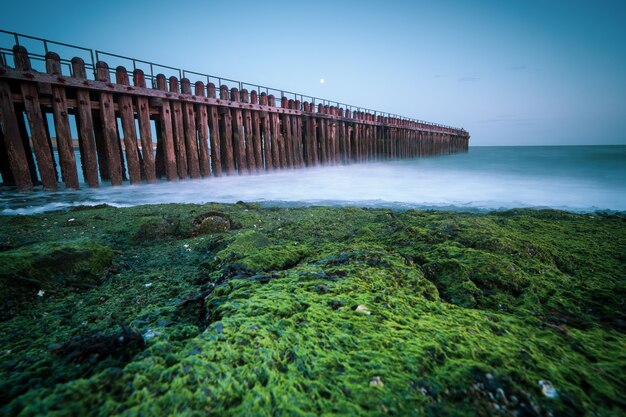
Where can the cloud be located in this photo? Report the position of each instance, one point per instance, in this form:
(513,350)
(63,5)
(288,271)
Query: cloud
(468,79)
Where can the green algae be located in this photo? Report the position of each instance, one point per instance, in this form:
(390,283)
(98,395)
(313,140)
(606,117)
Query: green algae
(321,311)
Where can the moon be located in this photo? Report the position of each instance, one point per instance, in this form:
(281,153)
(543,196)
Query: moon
(321,81)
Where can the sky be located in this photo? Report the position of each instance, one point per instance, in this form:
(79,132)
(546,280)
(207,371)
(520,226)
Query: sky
(511,73)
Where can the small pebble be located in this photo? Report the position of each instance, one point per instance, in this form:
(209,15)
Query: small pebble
(149,334)
(362,309)
(548,389)
(377,382)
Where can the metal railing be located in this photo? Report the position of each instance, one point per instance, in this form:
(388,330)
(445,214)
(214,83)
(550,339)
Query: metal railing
(149,68)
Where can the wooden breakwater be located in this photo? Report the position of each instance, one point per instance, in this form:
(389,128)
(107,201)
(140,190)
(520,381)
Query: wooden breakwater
(200,130)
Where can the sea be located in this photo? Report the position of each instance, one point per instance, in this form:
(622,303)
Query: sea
(583,179)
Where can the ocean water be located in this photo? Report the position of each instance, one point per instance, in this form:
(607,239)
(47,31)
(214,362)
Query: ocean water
(573,178)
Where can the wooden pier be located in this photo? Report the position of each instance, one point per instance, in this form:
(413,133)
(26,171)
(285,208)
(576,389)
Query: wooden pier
(199,130)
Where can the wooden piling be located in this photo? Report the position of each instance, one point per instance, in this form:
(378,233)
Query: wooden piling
(109,126)
(202,124)
(285,123)
(21,124)
(39,137)
(86,136)
(145,132)
(127,116)
(268,141)
(16,155)
(239,146)
(62,125)
(191,135)
(321,135)
(244,97)
(299,129)
(278,150)
(226,134)
(180,149)
(256,133)
(5,169)
(167,134)
(215,137)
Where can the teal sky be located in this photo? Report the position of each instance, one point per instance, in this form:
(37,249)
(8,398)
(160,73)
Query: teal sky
(512,73)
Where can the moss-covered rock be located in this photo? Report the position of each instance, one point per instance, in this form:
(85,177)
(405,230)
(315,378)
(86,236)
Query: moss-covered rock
(52,267)
(320,311)
(212,222)
(157,228)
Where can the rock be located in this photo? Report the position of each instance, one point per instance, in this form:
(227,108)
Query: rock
(377,382)
(361,309)
(121,346)
(548,389)
(54,267)
(212,223)
(501,396)
(5,242)
(321,288)
(157,229)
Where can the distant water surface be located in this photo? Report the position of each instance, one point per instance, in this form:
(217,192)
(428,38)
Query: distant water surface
(574,178)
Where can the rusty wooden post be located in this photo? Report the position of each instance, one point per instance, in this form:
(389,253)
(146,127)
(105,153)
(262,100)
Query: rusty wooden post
(348,129)
(5,169)
(226,134)
(109,126)
(355,138)
(21,124)
(306,140)
(22,61)
(62,125)
(86,136)
(39,135)
(328,135)
(16,154)
(191,134)
(328,130)
(314,138)
(145,132)
(256,133)
(202,124)
(277,155)
(101,148)
(179,130)
(333,135)
(285,122)
(214,134)
(246,122)
(321,134)
(268,138)
(244,97)
(127,115)
(293,130)
(167,135)
(299,129)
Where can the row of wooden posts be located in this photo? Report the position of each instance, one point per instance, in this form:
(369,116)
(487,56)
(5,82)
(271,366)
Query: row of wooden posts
(197,133)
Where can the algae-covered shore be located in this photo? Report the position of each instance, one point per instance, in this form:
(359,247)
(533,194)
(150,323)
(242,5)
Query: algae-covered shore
(196,310)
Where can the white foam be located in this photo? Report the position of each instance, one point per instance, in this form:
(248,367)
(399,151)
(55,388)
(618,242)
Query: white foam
(450,182)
